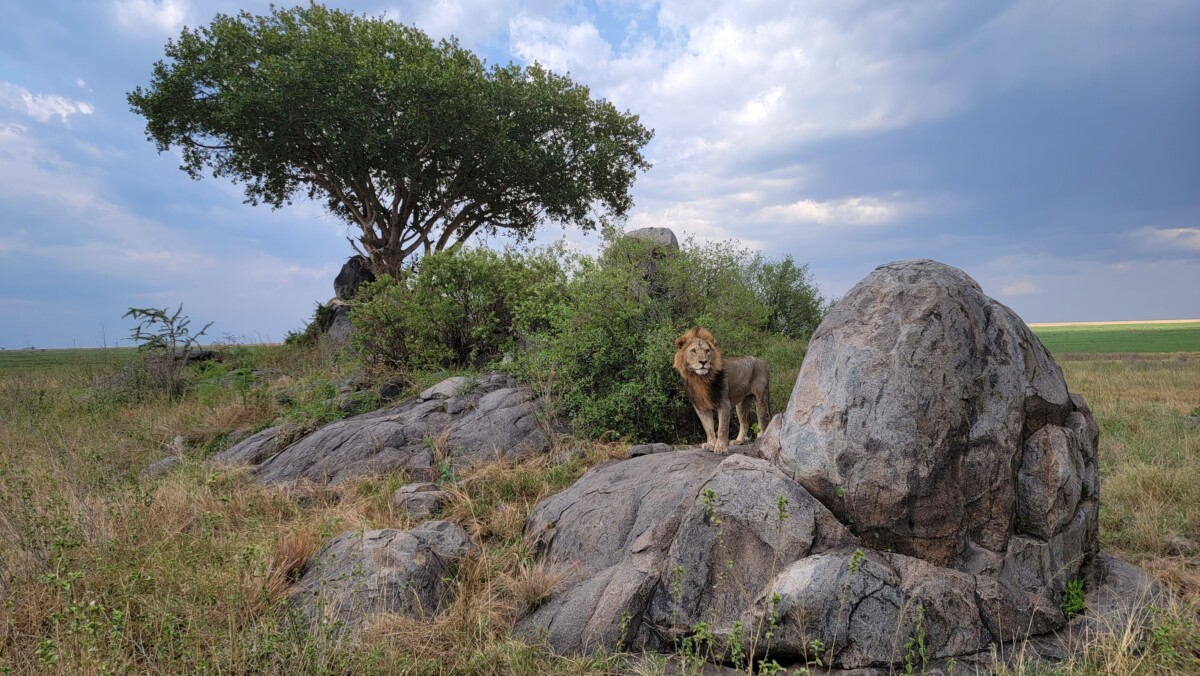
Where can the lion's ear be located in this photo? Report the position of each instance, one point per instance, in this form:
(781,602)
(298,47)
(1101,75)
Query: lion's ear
(680,341)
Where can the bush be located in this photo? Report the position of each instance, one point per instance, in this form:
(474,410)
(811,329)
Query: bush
(608,350)
(322,319)
(456,309)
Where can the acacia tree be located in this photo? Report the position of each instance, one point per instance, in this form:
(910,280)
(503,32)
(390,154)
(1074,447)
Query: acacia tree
(417,143)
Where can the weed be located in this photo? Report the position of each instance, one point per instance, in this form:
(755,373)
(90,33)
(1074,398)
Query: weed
(914,648)
(1074,598)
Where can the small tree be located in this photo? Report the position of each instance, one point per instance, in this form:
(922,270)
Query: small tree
(417,144)
(794,305)
(168,338)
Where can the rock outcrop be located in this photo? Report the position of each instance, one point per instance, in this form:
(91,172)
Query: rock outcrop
(931,479)
(355,272)
(494,418)
(930,418)
(359,574)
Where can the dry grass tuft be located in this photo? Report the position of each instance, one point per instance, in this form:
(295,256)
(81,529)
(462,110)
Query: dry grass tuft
(284,565)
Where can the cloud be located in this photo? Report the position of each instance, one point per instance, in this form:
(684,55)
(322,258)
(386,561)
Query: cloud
(560,47)
(1025,288)
(159,16)
(1172,239)
(851,211)
(41,107)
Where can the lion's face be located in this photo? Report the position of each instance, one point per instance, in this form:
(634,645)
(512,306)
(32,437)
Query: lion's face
(698,356)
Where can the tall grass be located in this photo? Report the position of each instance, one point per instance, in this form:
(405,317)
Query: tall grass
(106,570)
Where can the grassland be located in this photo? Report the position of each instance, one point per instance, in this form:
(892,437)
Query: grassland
(105,570)
(1123,337)
(46,361)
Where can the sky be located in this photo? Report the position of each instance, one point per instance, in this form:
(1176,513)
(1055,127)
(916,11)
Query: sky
(1050,149)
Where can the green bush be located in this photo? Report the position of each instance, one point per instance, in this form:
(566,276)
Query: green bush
(608,350)
(322,319)
(456,309)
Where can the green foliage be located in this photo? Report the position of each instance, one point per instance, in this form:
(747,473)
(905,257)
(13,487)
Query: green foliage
(416,143)
(1074,598)
(456,308)
(915,658)
(163,332)
(322,319)
(166,337)
(608,351)
(794,306)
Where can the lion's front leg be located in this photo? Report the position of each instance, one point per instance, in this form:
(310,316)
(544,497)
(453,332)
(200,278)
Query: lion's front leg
(706,420)
(743,416)
(722,446)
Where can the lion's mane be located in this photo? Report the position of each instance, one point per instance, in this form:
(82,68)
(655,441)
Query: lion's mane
(707,391)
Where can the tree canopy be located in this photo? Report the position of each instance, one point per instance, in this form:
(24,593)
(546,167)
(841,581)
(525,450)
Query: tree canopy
(418,144)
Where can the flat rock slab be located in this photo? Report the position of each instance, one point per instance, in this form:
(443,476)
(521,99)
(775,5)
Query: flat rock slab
(359,574)
(493,420)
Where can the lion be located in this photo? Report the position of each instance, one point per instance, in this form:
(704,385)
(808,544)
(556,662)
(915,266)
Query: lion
(714,383)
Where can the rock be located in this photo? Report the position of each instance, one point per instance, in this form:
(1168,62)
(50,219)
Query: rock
(639,539)
(389,391)
(162,467)
(664,237)
(446,389)
(354,273)
(250,451)
(931,476)
(357,574)
(1119,598)
(648,449)
(339,326)
(198,356)
(864,606)
(495,419)
(930,418)
(420,498)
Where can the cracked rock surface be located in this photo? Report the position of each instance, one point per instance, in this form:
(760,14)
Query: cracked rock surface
(493,418)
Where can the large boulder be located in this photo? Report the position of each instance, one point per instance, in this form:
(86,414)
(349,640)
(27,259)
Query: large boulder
(354,273)
(495,418)
(929,418)
(360,573)
(653,545)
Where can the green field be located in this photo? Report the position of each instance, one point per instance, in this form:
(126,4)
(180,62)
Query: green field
(44,360)
(1149,337)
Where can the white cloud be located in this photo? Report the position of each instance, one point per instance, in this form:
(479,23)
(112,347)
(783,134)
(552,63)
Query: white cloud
(41,107)
(159,16)
(560,47)
(1174,239)
(851,211)
(1025,288)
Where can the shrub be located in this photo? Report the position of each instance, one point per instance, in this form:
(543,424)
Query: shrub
(454,309)
(608,350)
(164,338)
(322,319)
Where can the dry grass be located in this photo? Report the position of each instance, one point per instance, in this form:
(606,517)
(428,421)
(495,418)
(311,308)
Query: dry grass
(105,570)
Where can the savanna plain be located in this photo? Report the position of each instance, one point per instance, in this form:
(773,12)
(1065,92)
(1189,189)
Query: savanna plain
(105,569)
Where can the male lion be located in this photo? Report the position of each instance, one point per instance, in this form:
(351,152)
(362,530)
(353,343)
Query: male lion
(714,383)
